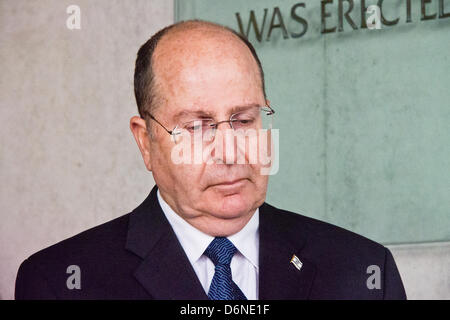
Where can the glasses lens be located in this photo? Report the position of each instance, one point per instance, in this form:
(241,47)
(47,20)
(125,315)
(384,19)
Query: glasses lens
(198,125)
(245,120)
(257,118)
(200,128)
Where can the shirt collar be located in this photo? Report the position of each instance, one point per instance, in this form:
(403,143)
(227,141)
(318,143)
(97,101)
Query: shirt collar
(247,240)
(195,242)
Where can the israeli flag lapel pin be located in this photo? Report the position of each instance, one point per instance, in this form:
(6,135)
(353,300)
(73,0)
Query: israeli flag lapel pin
(296,262)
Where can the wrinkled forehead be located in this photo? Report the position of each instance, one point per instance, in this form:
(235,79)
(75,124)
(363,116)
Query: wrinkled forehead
(204,67)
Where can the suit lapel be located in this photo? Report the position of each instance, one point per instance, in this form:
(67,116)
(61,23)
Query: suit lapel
(278,278)
(165,271)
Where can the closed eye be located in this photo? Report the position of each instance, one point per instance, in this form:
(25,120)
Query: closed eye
(197,125)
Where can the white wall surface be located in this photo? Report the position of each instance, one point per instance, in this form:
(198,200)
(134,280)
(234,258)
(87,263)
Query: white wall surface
(425,269)
(67,158)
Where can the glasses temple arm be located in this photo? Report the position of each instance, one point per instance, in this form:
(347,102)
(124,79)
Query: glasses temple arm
(154,119)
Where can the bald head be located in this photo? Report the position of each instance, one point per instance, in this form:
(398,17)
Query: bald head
(186,47)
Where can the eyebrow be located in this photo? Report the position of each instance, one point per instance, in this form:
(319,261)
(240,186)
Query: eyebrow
(199,113)
(207,114)
(240,108)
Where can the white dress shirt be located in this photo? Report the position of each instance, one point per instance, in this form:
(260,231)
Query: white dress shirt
(244,264)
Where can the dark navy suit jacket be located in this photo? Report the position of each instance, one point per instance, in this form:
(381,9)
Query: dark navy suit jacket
(137,256)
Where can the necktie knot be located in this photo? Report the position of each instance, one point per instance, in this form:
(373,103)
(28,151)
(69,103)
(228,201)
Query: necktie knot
(220,251)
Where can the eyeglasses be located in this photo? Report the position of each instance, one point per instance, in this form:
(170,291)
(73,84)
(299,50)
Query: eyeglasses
(257,117)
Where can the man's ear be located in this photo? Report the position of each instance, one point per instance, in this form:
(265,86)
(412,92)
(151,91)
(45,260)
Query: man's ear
(139,129)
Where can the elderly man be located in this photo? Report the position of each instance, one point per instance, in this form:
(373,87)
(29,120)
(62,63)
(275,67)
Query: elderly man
(205,231)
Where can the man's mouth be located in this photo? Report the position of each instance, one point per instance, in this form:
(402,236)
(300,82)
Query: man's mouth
(230,185)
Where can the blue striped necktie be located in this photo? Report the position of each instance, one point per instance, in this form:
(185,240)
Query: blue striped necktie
(222,287)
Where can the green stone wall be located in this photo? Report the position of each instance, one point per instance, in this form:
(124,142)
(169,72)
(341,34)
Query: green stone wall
(364,115)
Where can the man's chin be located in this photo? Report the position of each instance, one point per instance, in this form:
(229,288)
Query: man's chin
(232,206)
(229,217)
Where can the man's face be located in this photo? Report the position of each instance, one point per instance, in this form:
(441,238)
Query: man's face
(205,75)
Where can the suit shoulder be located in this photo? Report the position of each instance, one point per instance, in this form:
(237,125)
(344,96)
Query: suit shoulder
(340,257)
(322,233)
(101,238)
(96,253)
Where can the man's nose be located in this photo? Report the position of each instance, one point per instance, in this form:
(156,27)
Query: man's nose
(225,143)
